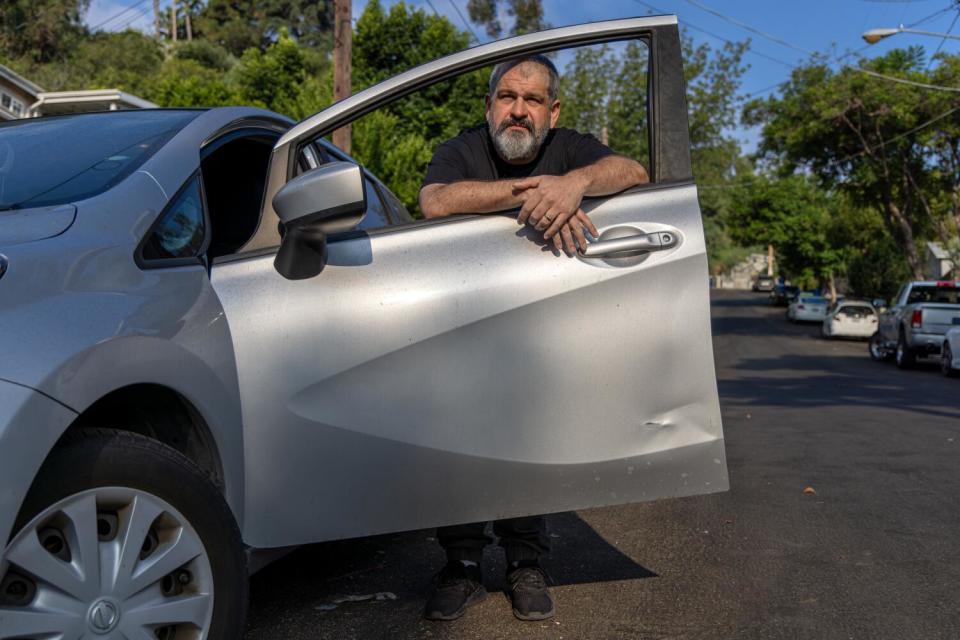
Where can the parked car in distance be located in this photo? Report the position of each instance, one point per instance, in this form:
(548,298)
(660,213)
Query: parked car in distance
(763,283)
(781,294)
(807,308)
(850,319)
(950,353)
(915,323)
(223,337)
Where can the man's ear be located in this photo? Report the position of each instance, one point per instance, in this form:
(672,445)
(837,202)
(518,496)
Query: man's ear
(554,113)
(486,104)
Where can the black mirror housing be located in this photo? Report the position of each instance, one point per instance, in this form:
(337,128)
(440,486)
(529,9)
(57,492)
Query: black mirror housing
(329,199)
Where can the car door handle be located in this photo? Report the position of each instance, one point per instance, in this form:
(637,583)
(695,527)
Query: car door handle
(657,241)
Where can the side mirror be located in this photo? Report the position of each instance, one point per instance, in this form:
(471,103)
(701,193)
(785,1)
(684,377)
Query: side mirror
(879,303)
(326,200)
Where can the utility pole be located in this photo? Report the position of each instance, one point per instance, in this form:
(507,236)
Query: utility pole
(770,259)
(186,18)
(156,18)
(173,21)
(342,40)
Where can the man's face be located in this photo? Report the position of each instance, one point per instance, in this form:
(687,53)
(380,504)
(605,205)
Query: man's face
(520,113)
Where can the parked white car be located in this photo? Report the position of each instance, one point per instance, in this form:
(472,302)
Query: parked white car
(807,308)
(950,353)
(850,319)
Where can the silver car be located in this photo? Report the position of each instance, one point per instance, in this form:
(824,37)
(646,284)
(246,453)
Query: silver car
(222,337)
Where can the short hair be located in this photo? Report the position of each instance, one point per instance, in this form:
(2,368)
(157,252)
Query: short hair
(501,70)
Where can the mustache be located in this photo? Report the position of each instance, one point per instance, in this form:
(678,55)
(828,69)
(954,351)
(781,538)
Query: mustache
(510,121)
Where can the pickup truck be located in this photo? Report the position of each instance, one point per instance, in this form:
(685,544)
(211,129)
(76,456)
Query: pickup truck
(916,321)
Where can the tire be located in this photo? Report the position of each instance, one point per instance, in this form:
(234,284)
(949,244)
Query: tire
(904,356)
(946,362)
(875,346)
(109,485)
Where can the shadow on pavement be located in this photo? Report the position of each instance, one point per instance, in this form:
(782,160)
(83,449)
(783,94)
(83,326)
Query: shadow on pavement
(805,383)
(400,568)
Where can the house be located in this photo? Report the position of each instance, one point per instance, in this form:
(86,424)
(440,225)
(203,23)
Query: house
(20,98)
(940,265)
(16,94)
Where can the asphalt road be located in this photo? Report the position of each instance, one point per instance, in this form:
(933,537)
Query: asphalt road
(874,553)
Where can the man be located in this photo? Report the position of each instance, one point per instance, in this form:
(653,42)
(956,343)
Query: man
(517,159)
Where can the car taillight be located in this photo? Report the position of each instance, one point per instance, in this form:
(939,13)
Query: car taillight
(917,320)
(946,284)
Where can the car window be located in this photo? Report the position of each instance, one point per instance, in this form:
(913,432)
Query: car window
(813,300)
(936,294)
(378,214)
(179,233)
(856,310)
(49,161)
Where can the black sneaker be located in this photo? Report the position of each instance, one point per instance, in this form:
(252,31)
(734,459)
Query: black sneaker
(528,593)
(458,587)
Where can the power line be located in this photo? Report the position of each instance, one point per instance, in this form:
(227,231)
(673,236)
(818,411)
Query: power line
(743,25)
(469,28)
(940,46)
(689,25)
(128,22)
(921,85)
(117,15)
(901,136)
(435,12)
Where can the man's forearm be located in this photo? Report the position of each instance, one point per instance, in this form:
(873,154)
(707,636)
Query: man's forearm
(609,175)
(469,196)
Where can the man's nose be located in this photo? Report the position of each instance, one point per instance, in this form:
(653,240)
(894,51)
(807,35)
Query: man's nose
(519,108)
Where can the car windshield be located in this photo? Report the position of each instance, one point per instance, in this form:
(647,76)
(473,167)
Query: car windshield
(813,300)
(856,310)
(947,294)
(57,160)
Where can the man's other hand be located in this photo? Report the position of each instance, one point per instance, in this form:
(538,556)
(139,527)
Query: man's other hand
(549,201)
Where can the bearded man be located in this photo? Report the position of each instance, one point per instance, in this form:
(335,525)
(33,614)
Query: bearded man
(517,159)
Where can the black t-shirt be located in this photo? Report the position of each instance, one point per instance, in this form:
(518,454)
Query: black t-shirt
(472,156)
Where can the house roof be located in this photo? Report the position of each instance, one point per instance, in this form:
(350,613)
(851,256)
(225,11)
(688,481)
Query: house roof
(16,79)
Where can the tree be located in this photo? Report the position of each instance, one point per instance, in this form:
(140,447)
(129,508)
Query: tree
(585,87)
(866,136)
(238,25)
(527,14)
(397,142)
(795,216)
(41,30)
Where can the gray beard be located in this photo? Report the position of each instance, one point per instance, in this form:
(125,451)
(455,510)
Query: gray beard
(516,146)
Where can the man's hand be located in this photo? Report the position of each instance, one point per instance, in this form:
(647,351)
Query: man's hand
(552,204)
(549,201)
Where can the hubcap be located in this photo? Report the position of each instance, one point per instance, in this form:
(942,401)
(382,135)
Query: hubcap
(104,616)
(108,562)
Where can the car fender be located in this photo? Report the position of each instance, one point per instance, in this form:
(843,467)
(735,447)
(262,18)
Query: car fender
(30,424)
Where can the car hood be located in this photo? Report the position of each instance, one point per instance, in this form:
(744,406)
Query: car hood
(27,225)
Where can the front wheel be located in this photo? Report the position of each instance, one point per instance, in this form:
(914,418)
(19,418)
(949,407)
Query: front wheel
(877,352)
(946,361)
(130,539)
(904,355)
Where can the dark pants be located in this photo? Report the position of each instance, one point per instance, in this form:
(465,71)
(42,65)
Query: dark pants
(523,539)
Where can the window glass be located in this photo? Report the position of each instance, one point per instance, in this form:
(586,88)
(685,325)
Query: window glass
(936,294)
(378,215)
(179,234)
(57,160)
(5,98)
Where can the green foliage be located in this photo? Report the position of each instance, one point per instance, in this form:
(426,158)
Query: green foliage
(870,139)
(397,142)
(627,105)
(238,25)
(272,79)
(527,16)
(186,83)
(584,87)
(794,215)
(40,31)
(208,55)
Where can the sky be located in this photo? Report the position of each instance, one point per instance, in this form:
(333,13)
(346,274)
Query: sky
(791,31)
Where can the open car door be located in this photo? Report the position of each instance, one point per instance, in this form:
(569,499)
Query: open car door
(451,370)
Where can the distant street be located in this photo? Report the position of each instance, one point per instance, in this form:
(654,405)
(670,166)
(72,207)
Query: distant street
(872,554)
